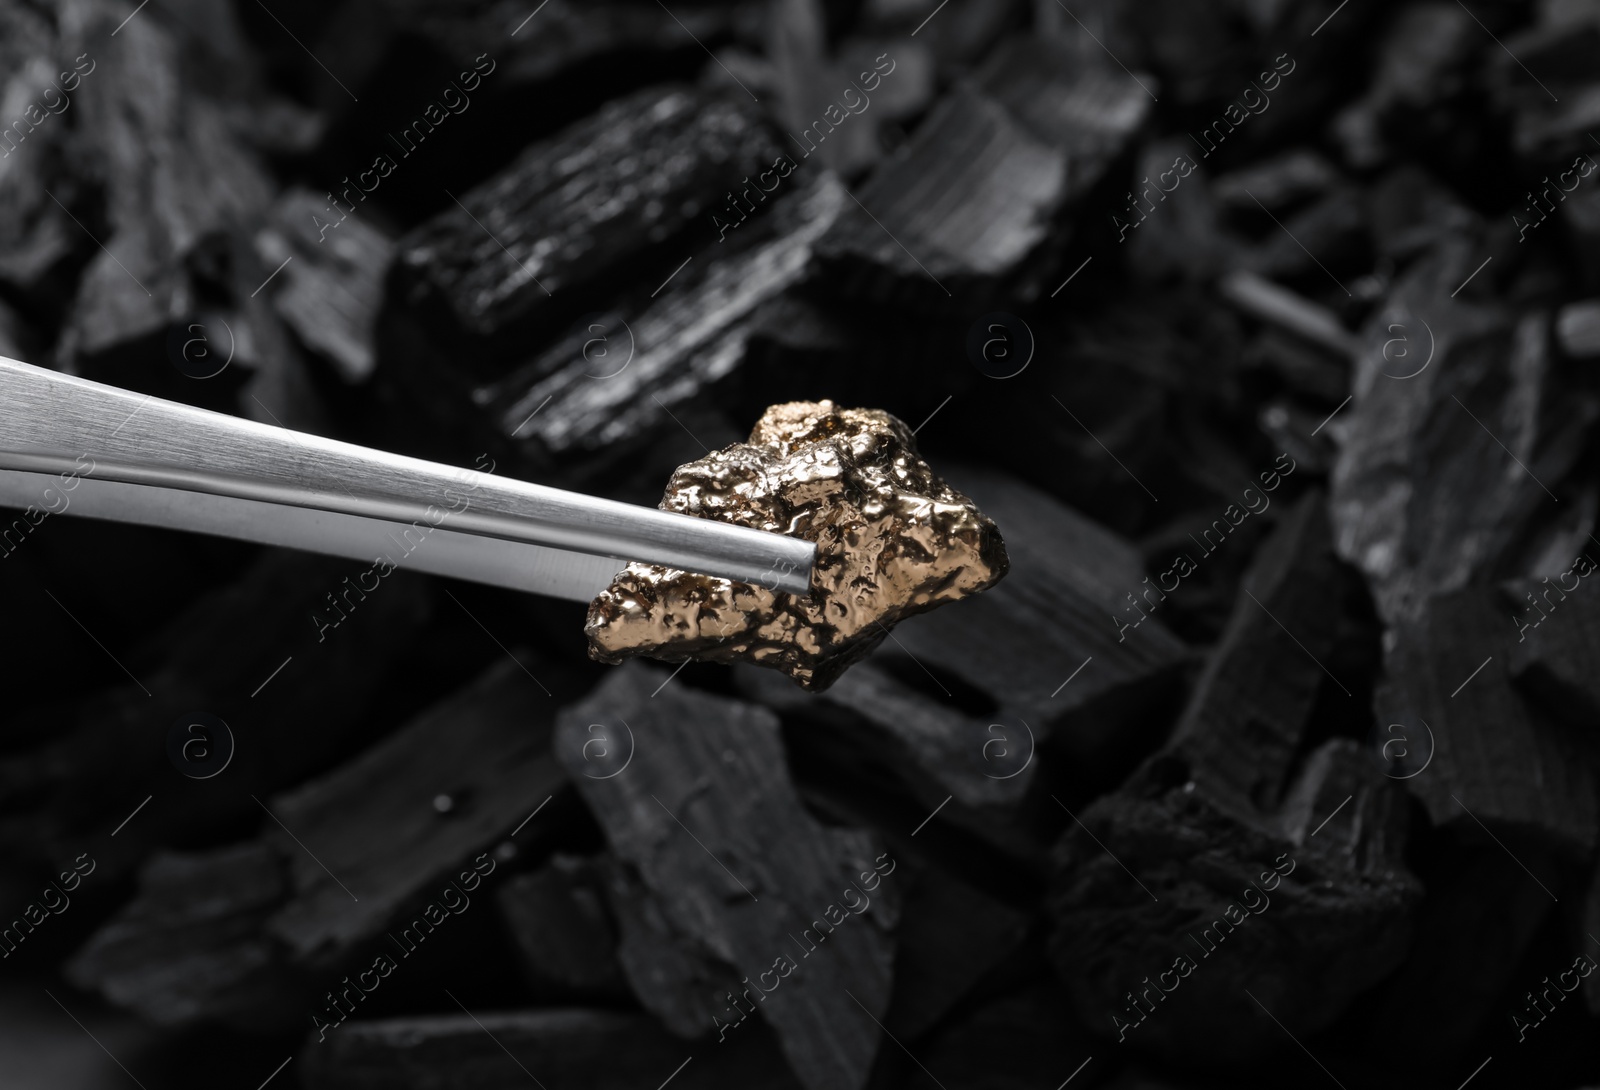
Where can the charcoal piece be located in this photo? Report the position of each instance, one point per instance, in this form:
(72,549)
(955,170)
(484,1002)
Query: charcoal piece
(1245,902)
(174,175)
(399,821)
(565,1047)
(675,975)
(330,283)
(1218,818)
(570,211)
(1559,643)
(1329,234)
(1411,213)
(1552,113)
(1004,657)
(1473,933)
(1016,1042)
(11,334)
(1453,398)
(1211,55)
(1578,329)
(894,101)
(969,203)
(41,248)
(1276,183)
(564,40)
(1495,761)
(1278,306)
(1173,230)
(1581,215)
(563,930)
(851,90)
(951,934)
(27,34)
(1069,95)
(453,782)
(1590,942)
(1424,59)
(106,752)
(222,60)
(1257,685)
(1309,372)
(956,43)
(279,390)
(615,393)
(707,818)
(1293,431)
(189,947)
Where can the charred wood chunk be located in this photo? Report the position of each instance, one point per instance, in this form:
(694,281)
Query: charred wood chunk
(811,85)
(1067,93)
(675,974)
(330,295)
(190,946)
(1495,760)
(563,930)
(706,818)
(1549,118)
(405,817)
(568,37)
(1215,902)
(41,249)
(956,43)
(1209,827)
(1411,213)
(1581,214)
(1460,423)
(567,1047)
(107,749)
(970,201)
(1423,60)
(969,205)
(951,936)
(1559,643)
(1474,930)
(1108,415)
(175,176)
(615,382)
(1021,1040)
(1247,718)
(1296,325)
(571,211)
(1332,232)
(1590,943)
(1578,329)
(1278,182)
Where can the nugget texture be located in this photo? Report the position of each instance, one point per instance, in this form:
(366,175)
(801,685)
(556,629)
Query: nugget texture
(893,540)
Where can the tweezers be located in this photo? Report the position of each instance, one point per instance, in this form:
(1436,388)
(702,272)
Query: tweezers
(76,447)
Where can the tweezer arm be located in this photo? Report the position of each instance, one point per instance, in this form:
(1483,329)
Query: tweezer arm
(48,420)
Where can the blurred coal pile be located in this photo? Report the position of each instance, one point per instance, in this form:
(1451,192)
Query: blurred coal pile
(1265,331)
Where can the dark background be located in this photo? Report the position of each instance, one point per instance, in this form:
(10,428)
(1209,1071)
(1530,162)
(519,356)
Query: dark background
(1308,293)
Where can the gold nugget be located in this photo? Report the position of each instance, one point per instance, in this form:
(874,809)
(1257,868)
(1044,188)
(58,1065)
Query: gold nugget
(893,540)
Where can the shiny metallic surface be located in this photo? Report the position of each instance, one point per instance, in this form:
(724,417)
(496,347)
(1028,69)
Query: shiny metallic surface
(48,420)
(534,569)
(893,540)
